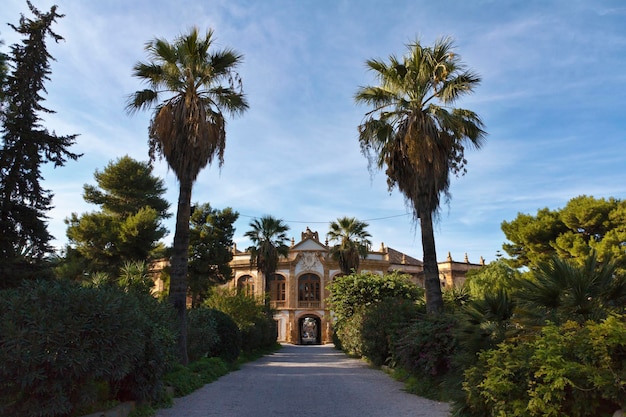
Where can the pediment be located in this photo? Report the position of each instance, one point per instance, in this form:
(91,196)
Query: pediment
(309,244)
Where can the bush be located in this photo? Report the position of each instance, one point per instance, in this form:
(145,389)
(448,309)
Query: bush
(159,352)
(257,326)
(348,331)
(428,346)
(260,335)
(228,347)
(202,336)
(212,333)
(382,324)
(187,379)
(60,342)
(349,292)
(570,370)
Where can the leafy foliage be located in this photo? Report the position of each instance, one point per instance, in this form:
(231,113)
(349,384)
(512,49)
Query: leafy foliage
(128,227)
(349,292)
(354,299)
(584,225)
(59,342)
(428,345)
(210,249)
(26,146)
(491,278)
(569,370)
(202,336)
(256,324)
(562,290)
(383,325)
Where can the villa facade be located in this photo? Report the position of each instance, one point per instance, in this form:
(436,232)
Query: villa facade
(298,289)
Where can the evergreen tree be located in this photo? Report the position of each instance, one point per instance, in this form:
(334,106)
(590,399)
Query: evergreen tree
(210,248)
(26,146)
(128,227)
(585,225)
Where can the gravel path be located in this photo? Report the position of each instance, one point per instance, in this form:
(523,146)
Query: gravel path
(304,381)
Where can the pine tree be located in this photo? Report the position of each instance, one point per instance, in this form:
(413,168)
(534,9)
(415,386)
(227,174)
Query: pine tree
(26,146)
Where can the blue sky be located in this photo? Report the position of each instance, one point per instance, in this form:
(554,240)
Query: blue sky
(552,100)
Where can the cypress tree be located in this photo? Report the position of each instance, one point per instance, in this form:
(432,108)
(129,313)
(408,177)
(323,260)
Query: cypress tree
(26,146)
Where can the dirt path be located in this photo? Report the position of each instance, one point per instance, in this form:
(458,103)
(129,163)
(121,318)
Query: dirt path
(306,381)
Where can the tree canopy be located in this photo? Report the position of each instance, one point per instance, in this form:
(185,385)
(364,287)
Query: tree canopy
(128,226)
(210,248)
(585,225)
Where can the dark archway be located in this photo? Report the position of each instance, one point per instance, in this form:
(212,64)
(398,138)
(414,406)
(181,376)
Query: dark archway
(310,330)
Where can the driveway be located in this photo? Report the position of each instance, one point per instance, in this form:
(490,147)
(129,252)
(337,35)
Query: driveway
(307,381)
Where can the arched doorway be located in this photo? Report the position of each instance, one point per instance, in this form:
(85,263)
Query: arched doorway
(310,330)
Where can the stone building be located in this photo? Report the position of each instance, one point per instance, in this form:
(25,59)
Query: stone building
(298,289)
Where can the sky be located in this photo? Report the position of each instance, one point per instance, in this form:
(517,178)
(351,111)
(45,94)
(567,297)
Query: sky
(552,100)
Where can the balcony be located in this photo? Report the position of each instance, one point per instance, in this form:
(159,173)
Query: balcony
(309,304)
(278,304)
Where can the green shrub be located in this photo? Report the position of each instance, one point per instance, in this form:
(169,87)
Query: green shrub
(428,345)
(209,369)
(382,324)
(59,342)
(187,379)
(212,333)
(257,326)
(159,353)
(229,346)
(348,331)
(183,380)
(202,336)
(260,335)
(349,292)
(571,370)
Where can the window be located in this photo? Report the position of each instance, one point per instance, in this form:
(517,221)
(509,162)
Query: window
(245,284)
(309,288)
(278,288)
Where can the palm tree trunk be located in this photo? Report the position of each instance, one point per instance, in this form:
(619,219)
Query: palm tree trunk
(179,267)
(432,285)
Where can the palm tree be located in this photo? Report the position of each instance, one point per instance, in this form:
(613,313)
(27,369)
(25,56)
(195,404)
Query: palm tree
(188,127)
(353,242)
(561,290)
(269,237)
(413,131)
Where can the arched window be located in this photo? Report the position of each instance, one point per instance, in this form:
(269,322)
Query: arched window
(245,284)
(278,289)
(309,291)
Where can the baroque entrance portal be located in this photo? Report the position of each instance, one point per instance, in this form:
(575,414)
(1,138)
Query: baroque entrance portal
(310,331)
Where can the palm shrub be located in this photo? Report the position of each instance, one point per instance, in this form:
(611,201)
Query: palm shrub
(560,290)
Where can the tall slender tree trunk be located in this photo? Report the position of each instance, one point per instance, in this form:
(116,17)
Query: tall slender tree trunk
(180,265)
(432,285)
